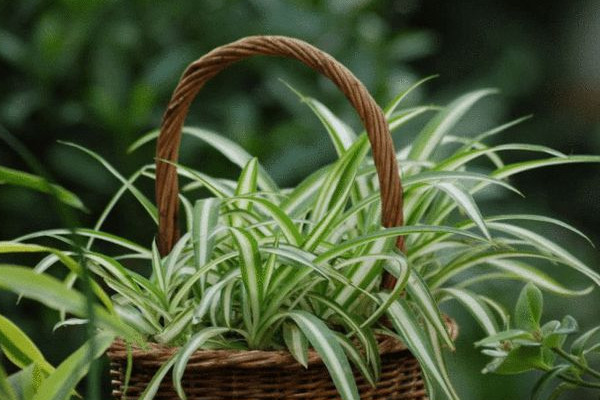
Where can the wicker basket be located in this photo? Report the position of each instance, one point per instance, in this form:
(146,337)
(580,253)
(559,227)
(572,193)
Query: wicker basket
(229,374)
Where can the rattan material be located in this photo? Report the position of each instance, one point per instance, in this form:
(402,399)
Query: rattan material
(228,375)
(225,374)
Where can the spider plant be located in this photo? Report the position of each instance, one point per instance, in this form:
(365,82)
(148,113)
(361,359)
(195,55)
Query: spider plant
(264,267)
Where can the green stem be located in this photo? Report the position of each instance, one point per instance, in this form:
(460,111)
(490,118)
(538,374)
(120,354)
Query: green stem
(573,360)
(580,382)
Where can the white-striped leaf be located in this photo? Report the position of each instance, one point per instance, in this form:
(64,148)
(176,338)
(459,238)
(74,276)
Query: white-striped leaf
(466,202)
(156,380)
(251,268)
(184,354)
(206,216)
(408,328)
(476,307)
(421,295)
(296,343)
(325,343)
(431,135)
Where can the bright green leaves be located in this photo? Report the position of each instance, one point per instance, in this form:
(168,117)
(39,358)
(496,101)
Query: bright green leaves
(18,348)
(19,178)
(533,346)
(54,294)
(62,382)
(528,311)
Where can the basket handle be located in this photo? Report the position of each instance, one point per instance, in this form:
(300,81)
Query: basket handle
(206,67)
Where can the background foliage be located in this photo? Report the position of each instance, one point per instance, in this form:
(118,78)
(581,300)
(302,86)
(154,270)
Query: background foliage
(100,72)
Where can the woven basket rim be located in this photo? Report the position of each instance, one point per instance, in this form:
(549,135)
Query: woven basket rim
(157,354)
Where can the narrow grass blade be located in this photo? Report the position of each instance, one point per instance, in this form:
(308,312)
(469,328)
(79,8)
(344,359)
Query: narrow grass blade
(175,327)
(142,199)
(52,293)
(62,382)
(19,178)
(231,150)
(18,348)
(358,359)
(158,272)
(430,137)
(391,107)
(332,354)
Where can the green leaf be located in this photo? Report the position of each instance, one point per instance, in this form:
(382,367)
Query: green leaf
(143,200)
(156,380)
(296,343)
(528,311)
(175,327)
(579,345)
(406,325)
(429,138)
(54,294)
(184,354)
(478,308)
(250,265)
(26,382)
(507,335)
(289,230)
(62,382)
(341,135)
(158,271)
(18,348)
(6,390)
(335,192)
(519,270)
(516,168)
(421,295)
(330,351)
(537,393)
(519,360)
(19,178)
(231,150)
(389,109)
(205,220)
(464,199)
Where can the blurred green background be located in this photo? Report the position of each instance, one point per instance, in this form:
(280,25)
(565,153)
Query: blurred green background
(99,73)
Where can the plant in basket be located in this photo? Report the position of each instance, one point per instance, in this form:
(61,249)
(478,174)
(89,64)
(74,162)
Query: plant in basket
(329,289)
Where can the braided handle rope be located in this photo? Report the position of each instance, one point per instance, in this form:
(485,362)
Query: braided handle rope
(206,67)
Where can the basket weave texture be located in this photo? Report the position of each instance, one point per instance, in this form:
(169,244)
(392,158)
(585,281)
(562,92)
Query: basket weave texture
(249,375)
(254,375)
